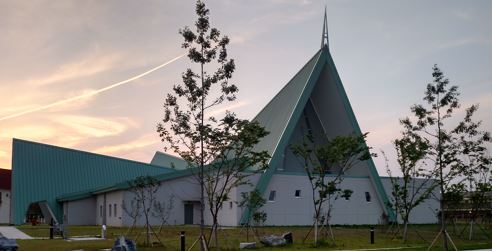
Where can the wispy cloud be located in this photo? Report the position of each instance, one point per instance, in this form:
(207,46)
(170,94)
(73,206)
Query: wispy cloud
(85,126)
(91,93)
(33,132)
(223,109)
(82,68)
(3,154)
(462,14)
(144,141)
(262,24)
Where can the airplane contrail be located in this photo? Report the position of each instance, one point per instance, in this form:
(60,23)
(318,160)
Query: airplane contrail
(89,94)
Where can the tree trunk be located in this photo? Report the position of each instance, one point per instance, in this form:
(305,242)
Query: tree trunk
(202,164)
(405,231)
(147,239)
(470,236)
(316,232)
(443,220)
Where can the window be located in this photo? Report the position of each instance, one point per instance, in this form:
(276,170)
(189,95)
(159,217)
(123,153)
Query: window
(101,210)
(230,205)
(114,207)
(272,195)
(0,197)
(368,197)
(298,193)
(109,210)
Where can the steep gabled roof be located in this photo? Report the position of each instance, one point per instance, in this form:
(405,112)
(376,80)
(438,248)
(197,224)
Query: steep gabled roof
(277,114)
(44,172)
(282,113)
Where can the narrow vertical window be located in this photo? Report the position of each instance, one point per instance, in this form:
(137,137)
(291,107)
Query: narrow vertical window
(114,207)
(101,210)
(368,197)
(297,194)
(230,205)
(272,195)
(109,210)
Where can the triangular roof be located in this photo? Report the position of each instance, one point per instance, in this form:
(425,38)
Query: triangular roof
(282,113)
(42,172)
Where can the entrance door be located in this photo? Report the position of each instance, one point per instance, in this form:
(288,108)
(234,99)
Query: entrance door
(188,210)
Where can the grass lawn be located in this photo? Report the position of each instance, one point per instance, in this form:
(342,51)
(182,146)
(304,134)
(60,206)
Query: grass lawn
(420,237)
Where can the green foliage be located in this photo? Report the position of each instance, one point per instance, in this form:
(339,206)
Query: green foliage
(253,201)
(408,191)
(144,189)
(454,195)
(454,154)
(224,145)
(337,156)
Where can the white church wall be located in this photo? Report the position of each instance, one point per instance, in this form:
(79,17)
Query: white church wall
(287,209)
(113,208)
(184,190)
(426,212)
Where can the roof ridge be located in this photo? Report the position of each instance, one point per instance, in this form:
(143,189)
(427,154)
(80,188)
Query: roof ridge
(285,86)
(87,153)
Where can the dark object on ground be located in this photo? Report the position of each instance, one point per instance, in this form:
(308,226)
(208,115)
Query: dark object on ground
(7,244)
(288,237)
(124,244)
(273,241)
(247,245)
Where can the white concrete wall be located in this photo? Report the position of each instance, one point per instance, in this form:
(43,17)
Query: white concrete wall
(114,200)
(183,190)
(289,210)
(104,209)
(79,212)
(426,212)
(5,206)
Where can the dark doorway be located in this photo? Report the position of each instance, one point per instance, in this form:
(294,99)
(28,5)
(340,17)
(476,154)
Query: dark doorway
(188,210)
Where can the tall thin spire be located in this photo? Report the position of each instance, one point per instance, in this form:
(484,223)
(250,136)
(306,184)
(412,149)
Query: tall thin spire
(324,34)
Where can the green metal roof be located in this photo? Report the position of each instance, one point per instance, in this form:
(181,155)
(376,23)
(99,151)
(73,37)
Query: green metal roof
(122,185)
(167,160)
(281,114)
(44,172)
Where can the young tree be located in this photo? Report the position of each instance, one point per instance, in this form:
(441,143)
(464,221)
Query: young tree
(133,211)
(453,152)
(232,144)
(337,156)
(144,189)
(223,146)
(479,189)
(162,210)
(253,201)
(409,191)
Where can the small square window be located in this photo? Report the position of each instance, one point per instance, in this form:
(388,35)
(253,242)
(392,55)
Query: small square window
(298,193)
(272,195)
(368,197)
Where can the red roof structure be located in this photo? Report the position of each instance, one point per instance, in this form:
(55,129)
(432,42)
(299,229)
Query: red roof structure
(5,179)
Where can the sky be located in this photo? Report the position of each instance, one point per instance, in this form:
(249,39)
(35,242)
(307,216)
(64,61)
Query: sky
(92,60)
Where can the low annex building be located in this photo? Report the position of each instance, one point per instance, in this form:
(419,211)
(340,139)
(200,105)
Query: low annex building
(82,188)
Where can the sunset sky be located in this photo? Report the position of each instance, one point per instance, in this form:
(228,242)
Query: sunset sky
(57,51)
